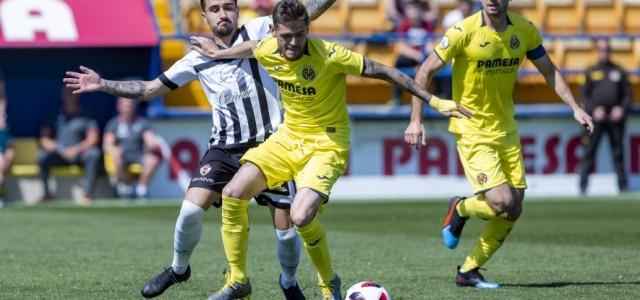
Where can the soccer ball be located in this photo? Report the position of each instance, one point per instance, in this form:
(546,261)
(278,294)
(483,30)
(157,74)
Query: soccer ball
(367,290)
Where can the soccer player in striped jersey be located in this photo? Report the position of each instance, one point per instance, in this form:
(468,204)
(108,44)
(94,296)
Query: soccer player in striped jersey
(487,49)
(312,144)
(245,111)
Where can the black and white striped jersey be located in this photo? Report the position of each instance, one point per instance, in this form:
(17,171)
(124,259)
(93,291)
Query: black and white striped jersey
(243,97)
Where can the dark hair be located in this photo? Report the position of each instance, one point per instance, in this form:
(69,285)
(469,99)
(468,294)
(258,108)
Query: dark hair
(202,3)
(289,10)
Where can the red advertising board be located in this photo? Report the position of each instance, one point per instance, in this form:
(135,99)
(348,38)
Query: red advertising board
(76,23)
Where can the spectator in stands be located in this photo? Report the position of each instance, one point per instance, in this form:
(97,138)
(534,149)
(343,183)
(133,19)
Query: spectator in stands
(128,139)
(71,140)
(606,95)
(413,46)
(396,11)
(6,151)
(464,9)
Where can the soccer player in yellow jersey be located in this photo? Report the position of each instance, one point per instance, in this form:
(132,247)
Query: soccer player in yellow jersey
(312,144)
(486,49)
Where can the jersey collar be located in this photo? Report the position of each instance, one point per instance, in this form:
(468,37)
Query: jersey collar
(306,49)
(483,24)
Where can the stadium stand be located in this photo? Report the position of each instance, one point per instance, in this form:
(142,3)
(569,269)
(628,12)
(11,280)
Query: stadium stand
(333,21)
(367,16)
(561,16)
(530,9)
(602,16)
(568,27)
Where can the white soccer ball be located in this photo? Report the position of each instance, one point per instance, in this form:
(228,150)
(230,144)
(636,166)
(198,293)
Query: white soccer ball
(367,290)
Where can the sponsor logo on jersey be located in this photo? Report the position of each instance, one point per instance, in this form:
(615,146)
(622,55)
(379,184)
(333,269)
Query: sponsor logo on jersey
(322,177)
(294,88)
(498,62)
(308,73)
(515,42)
(331,52)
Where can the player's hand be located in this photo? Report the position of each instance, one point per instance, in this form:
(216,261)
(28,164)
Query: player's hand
(449,108)
(87,81)
(415,135)
(204,46)
(584,119)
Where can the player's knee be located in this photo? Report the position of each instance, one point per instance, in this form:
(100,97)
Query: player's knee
(301,218)
(235,191)
(501,203)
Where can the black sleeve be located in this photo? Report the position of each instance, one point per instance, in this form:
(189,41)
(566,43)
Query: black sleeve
(627,91)
(585,92)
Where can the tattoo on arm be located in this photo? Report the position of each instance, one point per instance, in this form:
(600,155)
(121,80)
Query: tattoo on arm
(373,69)
(130,89)
(315,8)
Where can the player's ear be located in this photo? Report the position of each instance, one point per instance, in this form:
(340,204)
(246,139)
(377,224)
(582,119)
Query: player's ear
(272,29)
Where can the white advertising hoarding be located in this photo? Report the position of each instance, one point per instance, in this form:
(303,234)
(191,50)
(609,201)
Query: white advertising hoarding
(382,166)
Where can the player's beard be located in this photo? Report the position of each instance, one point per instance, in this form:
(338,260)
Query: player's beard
(223,31)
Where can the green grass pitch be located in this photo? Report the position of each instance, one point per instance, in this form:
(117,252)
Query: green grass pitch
(560,249)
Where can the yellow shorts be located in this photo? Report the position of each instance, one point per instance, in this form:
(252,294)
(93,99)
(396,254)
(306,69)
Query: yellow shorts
(491,161)
(314,160)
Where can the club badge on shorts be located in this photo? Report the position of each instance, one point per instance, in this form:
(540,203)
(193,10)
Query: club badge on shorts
(204,170)
(482,178)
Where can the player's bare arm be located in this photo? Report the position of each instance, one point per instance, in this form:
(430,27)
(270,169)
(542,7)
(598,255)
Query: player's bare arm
(208,48)
(415,134)
(87,80)
(373,69)
(315,8)
(556,81)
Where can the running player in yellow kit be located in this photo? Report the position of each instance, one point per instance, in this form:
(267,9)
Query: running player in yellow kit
(312,144)
(487,49)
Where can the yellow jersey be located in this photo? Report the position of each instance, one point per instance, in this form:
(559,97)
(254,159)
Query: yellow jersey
(485,66)
(312,88)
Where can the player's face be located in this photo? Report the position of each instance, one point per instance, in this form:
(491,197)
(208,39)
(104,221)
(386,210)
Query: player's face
(221,15)
(495,7)
(292,38)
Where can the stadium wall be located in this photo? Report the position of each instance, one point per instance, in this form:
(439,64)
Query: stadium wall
(382,166)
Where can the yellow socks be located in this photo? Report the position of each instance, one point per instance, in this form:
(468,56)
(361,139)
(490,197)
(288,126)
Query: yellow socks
(315,241)
(490,240)
(475,206)
(235,233)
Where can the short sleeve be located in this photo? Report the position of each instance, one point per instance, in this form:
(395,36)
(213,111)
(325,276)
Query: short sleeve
(180,73)
(451,44)
(111,126)
(262,49)
(343,60)
(535,49)
(91,125)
